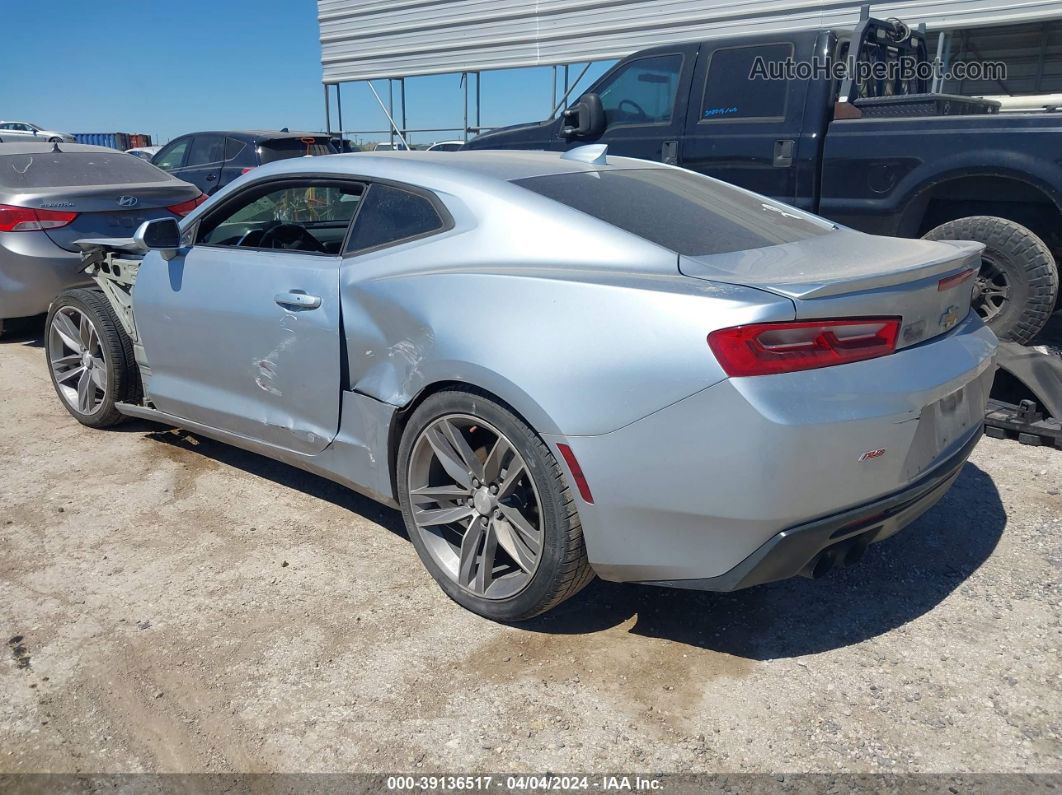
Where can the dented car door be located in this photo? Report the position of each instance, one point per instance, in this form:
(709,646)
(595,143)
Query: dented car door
(242,329)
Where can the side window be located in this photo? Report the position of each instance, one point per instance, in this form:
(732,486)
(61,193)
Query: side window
(642,92)
(239,154)
(206,149)
(391,215)
(311,217)
(172,156)
(731,91)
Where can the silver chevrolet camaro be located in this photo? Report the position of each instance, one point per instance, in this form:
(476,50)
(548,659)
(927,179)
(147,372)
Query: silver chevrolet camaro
(556,365)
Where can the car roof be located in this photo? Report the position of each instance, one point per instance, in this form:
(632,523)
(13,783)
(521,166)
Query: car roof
(258,135)
(424,167)
(36,148)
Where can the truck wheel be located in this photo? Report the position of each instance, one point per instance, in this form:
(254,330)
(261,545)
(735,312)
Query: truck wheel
(90,358)
(1018,283)
(487,508)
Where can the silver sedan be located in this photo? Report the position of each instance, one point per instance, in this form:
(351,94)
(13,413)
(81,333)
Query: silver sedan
(24,131)
(556,366)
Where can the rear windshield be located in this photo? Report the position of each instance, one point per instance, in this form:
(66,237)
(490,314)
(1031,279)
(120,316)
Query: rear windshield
(680,210)
(76,169)
(283,148)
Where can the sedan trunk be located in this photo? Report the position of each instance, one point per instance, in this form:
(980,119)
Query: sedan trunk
(849,274)
(116,210)
(108,193)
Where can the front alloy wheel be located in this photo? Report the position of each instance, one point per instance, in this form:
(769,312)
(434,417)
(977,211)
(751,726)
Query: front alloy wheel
(90,358)
(79,364)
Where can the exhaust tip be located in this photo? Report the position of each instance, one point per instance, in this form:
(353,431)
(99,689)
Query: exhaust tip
(823,565)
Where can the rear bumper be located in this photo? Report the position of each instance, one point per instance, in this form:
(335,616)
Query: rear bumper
(816,547)
(33,271)
(700,487)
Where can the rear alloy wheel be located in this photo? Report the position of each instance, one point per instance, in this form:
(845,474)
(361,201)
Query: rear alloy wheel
(487,509)
(90,358)
(1017,284)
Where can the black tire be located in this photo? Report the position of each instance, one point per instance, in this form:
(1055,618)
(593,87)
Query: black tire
(123,378)
(55,140)
(563,569)
(1016,255)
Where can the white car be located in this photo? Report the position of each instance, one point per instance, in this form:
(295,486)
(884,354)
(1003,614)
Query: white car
(143,152)
(22,131)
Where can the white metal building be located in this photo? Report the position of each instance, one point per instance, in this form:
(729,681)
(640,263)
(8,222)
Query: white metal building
(371,39)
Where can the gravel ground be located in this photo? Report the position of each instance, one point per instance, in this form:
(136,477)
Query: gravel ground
(172,604)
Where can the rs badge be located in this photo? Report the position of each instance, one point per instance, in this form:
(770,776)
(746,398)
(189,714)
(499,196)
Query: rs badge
(869,454)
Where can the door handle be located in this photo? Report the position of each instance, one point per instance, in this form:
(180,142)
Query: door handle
(783,153)
(297,299)
(211,177)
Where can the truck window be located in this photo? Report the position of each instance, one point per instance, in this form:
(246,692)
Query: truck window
(730,92)
(642,91)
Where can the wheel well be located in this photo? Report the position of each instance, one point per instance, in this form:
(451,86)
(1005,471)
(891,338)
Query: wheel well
(1003,197)
(401,418)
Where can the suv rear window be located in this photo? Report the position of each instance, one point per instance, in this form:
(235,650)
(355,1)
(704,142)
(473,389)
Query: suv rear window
(283,148)
(70,169)
(685,212)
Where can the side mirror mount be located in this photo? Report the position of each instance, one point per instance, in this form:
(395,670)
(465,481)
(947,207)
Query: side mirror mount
(586,118)
(161,234)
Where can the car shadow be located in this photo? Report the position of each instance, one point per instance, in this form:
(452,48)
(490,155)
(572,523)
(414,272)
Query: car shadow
(280,473)
(897,581)
(27,331)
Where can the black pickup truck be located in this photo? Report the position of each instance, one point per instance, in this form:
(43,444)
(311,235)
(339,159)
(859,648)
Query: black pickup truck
(882,155)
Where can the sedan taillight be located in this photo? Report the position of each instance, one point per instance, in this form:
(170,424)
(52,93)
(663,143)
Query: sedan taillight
(769,348)
(29,219)
(184,208)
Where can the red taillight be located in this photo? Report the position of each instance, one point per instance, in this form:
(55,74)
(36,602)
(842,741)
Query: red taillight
(245,169)
(952,281)
(769,348)
(577,473)
(29,219)
(184,208)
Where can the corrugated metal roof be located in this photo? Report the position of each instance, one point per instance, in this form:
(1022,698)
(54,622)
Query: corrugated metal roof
(365,39)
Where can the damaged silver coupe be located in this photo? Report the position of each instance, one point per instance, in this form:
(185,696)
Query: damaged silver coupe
(556,365)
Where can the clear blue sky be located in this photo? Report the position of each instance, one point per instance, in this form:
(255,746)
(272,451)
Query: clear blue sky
(166,68)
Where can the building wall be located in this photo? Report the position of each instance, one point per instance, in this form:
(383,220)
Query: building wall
(365,39)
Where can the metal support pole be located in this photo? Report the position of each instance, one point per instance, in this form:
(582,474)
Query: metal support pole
(464,79)
(479,77)
(565,78)
(339,108)
(391,108)
(402,85)
(390,118)
(553,102)
(328,112)
(570,90)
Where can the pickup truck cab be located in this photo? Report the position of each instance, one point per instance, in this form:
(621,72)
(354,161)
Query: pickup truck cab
(884,157)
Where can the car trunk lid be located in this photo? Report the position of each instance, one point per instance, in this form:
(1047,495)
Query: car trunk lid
(851,274)
(109,210)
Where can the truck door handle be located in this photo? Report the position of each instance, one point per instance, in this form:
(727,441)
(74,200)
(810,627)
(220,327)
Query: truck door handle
(669,153)
(298,299)
(783,153)
(212,176)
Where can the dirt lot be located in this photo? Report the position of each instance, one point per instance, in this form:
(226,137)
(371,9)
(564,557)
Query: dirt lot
(173,604)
